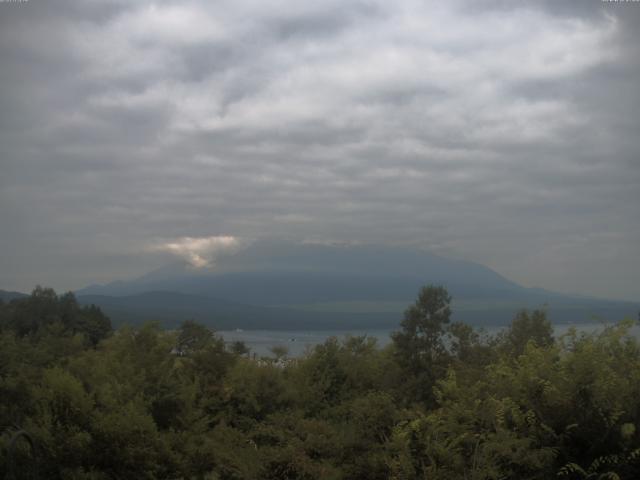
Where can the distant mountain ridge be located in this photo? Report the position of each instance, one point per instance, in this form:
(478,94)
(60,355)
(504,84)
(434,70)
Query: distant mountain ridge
(172,308)
(296,261)
(7,296)
(275,285)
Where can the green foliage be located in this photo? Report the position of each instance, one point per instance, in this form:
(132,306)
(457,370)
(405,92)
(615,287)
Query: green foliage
(525,328)
(239,348)
(44,311)
(443,401)
(419,346)
(193,337)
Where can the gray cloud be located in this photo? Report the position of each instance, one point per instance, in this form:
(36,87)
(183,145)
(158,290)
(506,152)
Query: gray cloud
(501,132)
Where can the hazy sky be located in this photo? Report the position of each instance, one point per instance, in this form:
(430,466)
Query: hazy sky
(505,133)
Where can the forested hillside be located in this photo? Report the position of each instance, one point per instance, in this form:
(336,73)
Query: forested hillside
(442,401)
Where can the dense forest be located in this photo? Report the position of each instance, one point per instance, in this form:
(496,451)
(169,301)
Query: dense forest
(442,401)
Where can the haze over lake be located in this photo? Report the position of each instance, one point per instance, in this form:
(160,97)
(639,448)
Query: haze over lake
(299,342)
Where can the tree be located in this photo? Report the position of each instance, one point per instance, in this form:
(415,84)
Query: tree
(240,348)
(279,352)
(470,348)
(94,324)
(525,328)
(419,346)
(28,315)
(43,310)
(192,337)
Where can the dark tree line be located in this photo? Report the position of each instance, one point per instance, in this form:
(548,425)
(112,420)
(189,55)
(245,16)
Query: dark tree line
(44,311)
(442,401)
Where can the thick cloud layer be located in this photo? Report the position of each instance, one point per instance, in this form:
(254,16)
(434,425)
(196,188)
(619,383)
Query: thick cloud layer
(501,132)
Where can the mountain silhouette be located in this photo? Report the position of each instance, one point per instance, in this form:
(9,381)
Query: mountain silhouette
(280,285)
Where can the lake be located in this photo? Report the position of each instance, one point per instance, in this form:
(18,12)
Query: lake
(299,341)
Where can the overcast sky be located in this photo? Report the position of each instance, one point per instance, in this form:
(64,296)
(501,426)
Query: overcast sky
(505,133)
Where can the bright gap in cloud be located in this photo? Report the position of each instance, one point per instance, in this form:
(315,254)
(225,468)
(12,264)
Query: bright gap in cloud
(201,252)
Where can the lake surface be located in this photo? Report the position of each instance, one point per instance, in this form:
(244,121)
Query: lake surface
(300,341)
(296,341)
